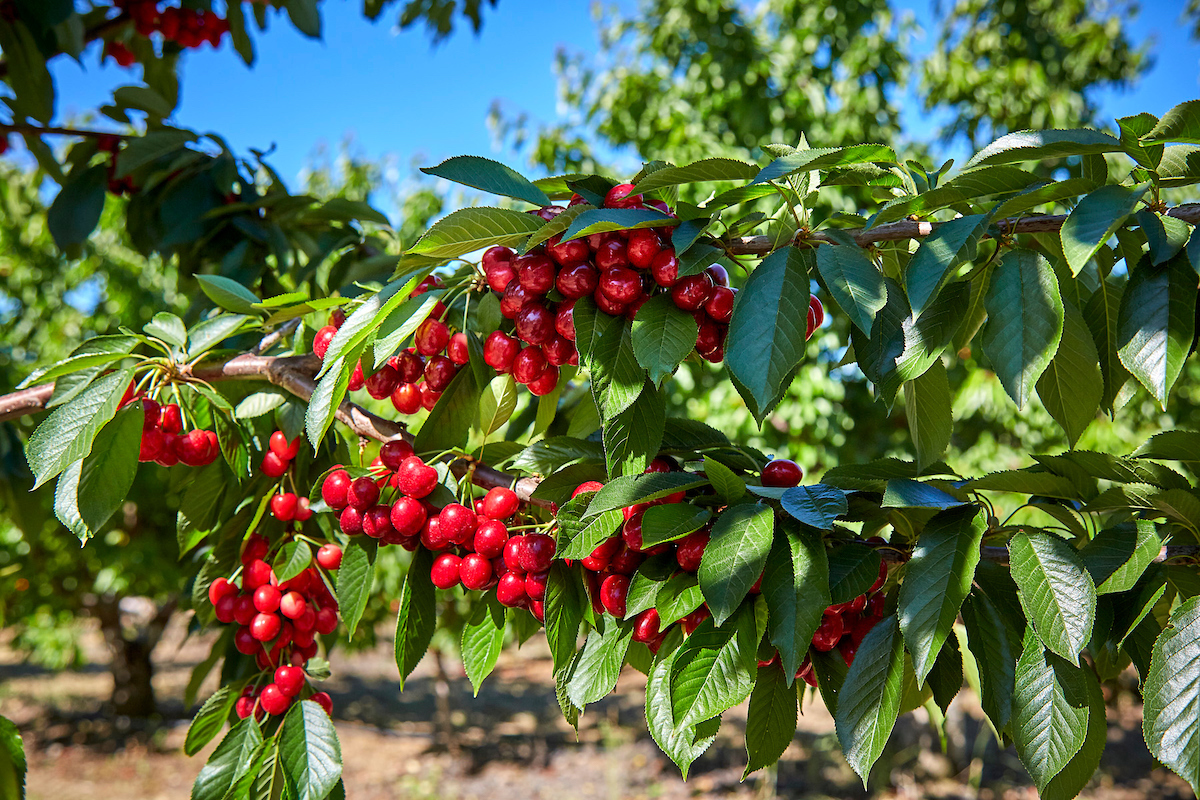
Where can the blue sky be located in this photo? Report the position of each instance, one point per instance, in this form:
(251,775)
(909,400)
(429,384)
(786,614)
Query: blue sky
(398,95)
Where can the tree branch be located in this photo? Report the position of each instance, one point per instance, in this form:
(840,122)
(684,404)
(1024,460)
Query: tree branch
(918,229)
(50,130)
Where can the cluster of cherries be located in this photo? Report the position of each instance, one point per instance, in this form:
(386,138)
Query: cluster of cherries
(278,624)
(416,377)
(163,439)
(844,625)
(619,270)
(474,545)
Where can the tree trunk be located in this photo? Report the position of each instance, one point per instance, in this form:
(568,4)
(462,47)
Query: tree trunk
(131,647)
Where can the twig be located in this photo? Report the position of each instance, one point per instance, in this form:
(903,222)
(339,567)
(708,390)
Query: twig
(273,338)
(50,130)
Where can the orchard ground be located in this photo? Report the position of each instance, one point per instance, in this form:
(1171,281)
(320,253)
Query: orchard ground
(511,741)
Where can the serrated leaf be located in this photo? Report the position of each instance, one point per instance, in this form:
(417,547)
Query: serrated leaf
(708,169)
(229,762)
(1171,722)
(565,602)
(91,490)
(630,489)
(1050,711)
(632,438)
(599,666)
(666,523)
(677,598)
(1095,219)
(796,587)
(68,433)
(941,253)
(470,229)
(209,720)
(602,220)
(1072,387)
(98,351)
(869,700)
(577,538)
(927,409)
(682,744)
(489,176)
(1037,145)
(327,397)
(1101,315)
(995,654)
(228,294)
(1180,124)
(292,559)
(355,579)
(936,580)
(1156,323)
(449,423)
(497,403)
(77,208)
(816,505)
(309,752)
(855,283)
(853,568)
(902,493)
(824,158)
(211,332)
(482,640)
(715,668)
(12,760)
(417,618)
(663,335)
(1172,446)
(771,718)
(735,556)
(1117,556)
(1056,591)
(766,339)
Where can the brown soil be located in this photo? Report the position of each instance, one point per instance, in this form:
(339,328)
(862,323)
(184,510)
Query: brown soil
(511,741)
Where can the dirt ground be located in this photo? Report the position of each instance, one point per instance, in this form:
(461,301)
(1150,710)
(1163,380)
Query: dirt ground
(511,741)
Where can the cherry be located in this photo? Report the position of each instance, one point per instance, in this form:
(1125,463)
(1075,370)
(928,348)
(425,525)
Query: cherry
(429,397)
(458,350)
(708,336)
(644,245)
(290,680)
(613,592)
(265,627)
(607,304)
(600,557)
(620,284)
(548,213)
(631,533)
(500,503)
(665,268)
(283,506)
(692,292)
(535,323)
(782,472)
(244,707)
(577,281)
(377,522)
(828,633)
(878,584)
(529,365)
(816,314)
(612,254)
(499,351)
(439,371)
(660,465)
(257,573)
(621,196)
(281,447)
(243,609)
(431,535)
(458,523)
(327,621)
(363,493)
(324,701)
(496,258)
(329,556)
(513,549)
(535,585)
(564,321)
(337,317)
(407,398)
(535,272)
(393,451)
(335,488)
(415,478)
(431,337)
(351,521)
(220,589)
(322,339)
(223,609)
(587,486)
(245,642)
(357,381)
(490,537)
(514,299)
(646,625)
(690,550)
(475,572)
(510,590)
(151,412)
(719,305)
(407,516)
(266,599)
(626,561)
(272,465)
(692,621)
(445,571)
(545,384)
(383,382)
(568,254)
(192,449)
(293,605)
(719,275)
(274,700)
(408,365)
(558,351)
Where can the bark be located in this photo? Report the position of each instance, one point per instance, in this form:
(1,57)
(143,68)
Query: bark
(131,648)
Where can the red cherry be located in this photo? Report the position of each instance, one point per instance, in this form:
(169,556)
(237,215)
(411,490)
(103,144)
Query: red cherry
(220,589)
(500,503)
(529,365)
(266,599)
(429,397)
(626,561)
(357,381)
(510,591)
(535,272)
(351,521)
(363,493)
(568,254)
(587,486)
(558,351)
(377,522)
(245,642)
(564,321)
(577,281)
(665,268)
(283,506)
(330,556)
(497,267)
(620,284)
(613,592)
(274,700)
(878,584)
(537,552)
(383,382)
(607,304)
(292,605)
(439,371)
(817,312)
(407,398)
(458,350)
(445,571)
(548,213)
(327,621)
(513,549)
(692,292)
(475,572)
(322,339)
(515,298)
(337,317)
(431,535)
(631,533)
(431,337)
(243,609)
(335,488)
(281,447)
(324,701)
(535,323)
(393,451)
(719,275)
(719,305)
(621,196)
(408,516)
(408,365)
(600,557)
(692,621)
(170,419)
(265,627)
(290,680)
(223,609)
(545,383)
(272,465)
(644,245)
(415,478)
(244,706)
(490,538)
(499,351)
(458,523)
(151,411)
(645,626)
(828,633)
(257,573)
(612,254)
(690,549)
(782,472)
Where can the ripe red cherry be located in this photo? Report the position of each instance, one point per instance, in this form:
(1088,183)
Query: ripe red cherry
(458,350)
(280,445)
(545,383)
(393,451)
(327,621)
(274,700)
(283,506)
(350,521)
(265,627)
(324,701)
(568,254)
(408,365)
(458,523)
(607,304)
(293,605)
(445,571)
(383,382)
(535,272)
(357,381)
(548,212)
(621,196)
(363,493)
(692,621)
(644,245)
(407,398)
(708,335)
(513,549)
(631,533)
(612,254)
(692,292)
(329,556)
(290,680)
(245,643)
(322,339)
(782,472)
(415,478)
(515,298)
(816,310)
(577,281)
(535,323)
(431,337)
(691,549)
(529,365)
(266,599)
(272,465)
(475,571)
(626,561)
(558,351)
(564,321)
(490,538)
(431,535)
(645,626)
(510,591)
(170,418)
(377,522)
(587,486)
(621,284)
(600,557)
(221,588)
(719,305)
(498,261)
(499,351)
(537,553)
(665,268)
(337,317)
(500,503)
(613,592)
(828,633)
(408,516)
(429,397)
(243,609)
(245,707)
(439,371)
(257,573)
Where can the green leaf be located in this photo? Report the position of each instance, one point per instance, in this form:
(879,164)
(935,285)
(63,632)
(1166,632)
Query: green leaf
(855,283)
(1038,145)
(209,720)
(470,229)
(682,743)
(1070,781)
(1119,555)
(936,580)
(853,568)
(577,538)
(12,761)
(305,16)
(355,579)
(617,378)
(817,505)
(1101,315)
(1156,324)
(902,493)
(1050,711)
(663,335)
(771,718)
(489,176)
(93,488)
(1072,387)
(67,434)
(1171,714)
(767,332)
(941,254)
(309,751)
(229,762)
(98,351)
(212,332)
(292,559)
(599,666)
(946,676)
(228,294)
(565,602)
(869,700)
(417,618)
(497,403)
(677,598)
(1095,219)
(258,404)
(328,396)
(602,220)
(727,483)
(1180,124)
(482,640)
(927,408)
(1056,591)
(1165,235)
(1180,166)
(143,150)
(630,489)
(27,73)
(825,158)
(796,587)
(1025,321)
(666,523)
(1172,446)
(76,210)
(715,668)
(735,556)
(995,655)
(633,437)
(169,328)
(1033,198)
(449,424)
(708,169)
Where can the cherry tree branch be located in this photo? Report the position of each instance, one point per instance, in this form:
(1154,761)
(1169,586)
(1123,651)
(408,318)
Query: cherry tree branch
(50,130)
(918,229)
